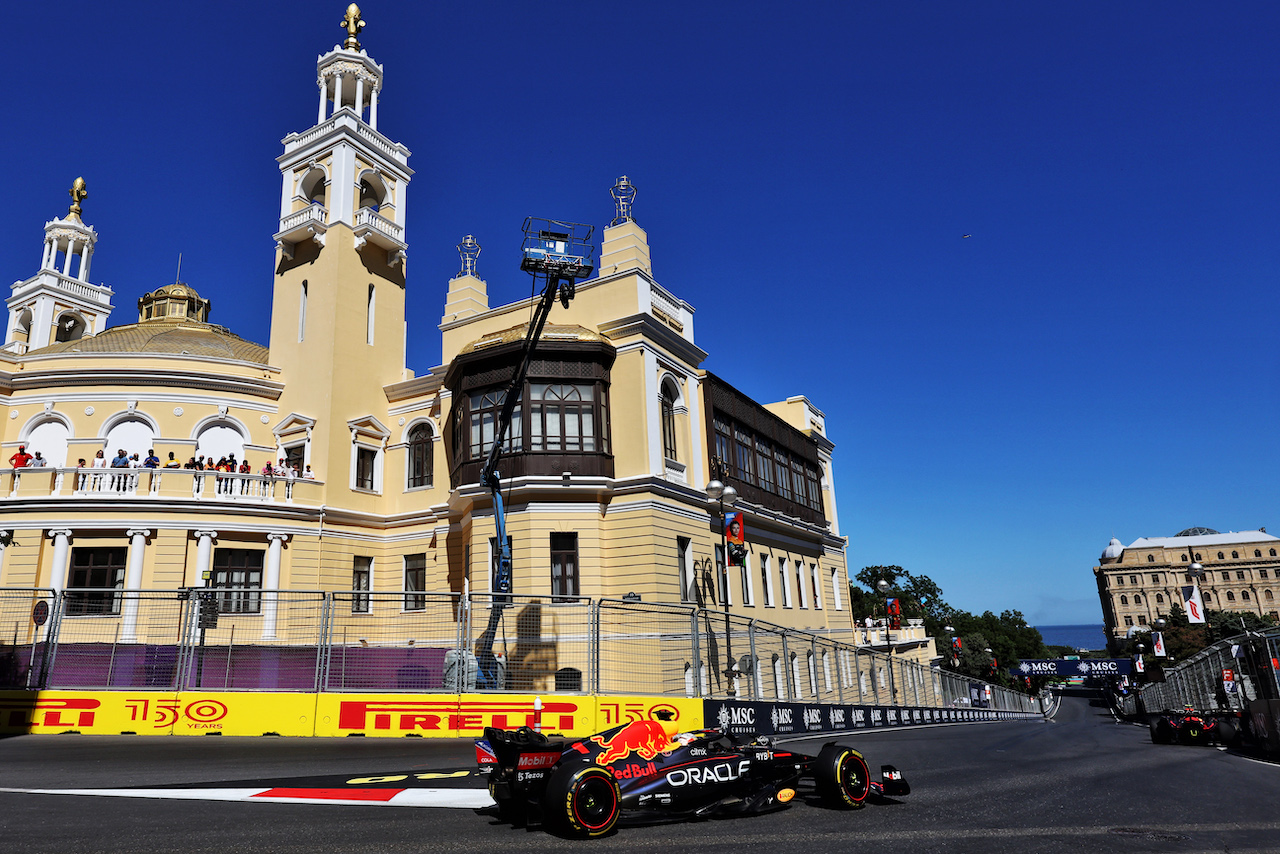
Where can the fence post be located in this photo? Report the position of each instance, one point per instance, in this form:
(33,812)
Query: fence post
(697,652)
(324,643)
(857,670)
(593,650)
(788,669)
(755,662)
(51,636)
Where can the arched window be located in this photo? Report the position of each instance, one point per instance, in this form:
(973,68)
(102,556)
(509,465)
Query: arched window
(1220,556)
(218,439)
(1266,594)
(1244,594)
(49,437)
(1273,552)
(1197,555)
(22,328)
(421,463)
(1151,558)
(669,448)
(1235,555)
(372,193)
(1159,598)
(314,187)
(1184,558)
(71,327)
(1231,596)
(131,435)
(1124,600)
(1257,552)
(1137,600)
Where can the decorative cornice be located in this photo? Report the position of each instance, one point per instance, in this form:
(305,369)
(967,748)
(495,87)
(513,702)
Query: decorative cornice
(43,379)
(650,328)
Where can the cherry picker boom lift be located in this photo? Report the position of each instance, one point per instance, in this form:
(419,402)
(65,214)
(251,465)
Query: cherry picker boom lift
(557,253)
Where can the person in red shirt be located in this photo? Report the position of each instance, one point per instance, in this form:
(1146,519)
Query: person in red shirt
(21,459)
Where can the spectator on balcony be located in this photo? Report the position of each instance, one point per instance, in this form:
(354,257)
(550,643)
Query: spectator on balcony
(120,460)
(99,462)
(172,462)
(134,462)
(245,468)
(200,463)
(21,459)
(308,474)
(152,461)
(191,464)
(81,478)
(268,470)
(37,461)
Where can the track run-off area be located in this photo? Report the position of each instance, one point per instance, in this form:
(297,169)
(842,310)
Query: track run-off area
(1081,782)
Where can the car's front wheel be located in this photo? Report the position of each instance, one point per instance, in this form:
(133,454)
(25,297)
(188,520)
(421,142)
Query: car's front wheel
(842,777)
(582,800)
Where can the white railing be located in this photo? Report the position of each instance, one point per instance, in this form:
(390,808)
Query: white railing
(225,486)
(311,213)
(372,219)
(157,484)
(362,130)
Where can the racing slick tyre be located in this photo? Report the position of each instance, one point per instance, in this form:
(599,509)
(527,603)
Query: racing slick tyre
(1161,731)
(1191,731)
(582,800)
(842,777)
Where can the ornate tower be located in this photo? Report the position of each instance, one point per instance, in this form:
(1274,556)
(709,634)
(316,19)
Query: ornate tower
(338,313)
(58,303)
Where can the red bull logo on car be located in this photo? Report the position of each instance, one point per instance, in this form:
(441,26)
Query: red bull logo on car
(646,739)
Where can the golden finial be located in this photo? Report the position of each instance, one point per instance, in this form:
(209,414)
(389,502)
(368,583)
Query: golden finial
(78,195)
(353,25)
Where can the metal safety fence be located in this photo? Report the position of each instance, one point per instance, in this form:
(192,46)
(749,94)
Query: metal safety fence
(287,640)
(1225,676)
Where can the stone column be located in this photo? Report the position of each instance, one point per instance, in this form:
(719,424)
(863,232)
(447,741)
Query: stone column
(337,92)
(270,584)
(66,259)
(359,96)
(373,107)
(204,556)
(132,584)
(324,96)
(85,255)
(61,554)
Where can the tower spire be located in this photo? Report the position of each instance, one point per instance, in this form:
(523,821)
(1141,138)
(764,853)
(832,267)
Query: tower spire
(78,194)
(353,25)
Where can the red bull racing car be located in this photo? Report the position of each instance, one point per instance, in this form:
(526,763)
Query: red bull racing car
(1192,727)
(647,771)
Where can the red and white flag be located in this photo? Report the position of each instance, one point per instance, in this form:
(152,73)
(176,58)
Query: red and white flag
(1157,645)
(1192,603)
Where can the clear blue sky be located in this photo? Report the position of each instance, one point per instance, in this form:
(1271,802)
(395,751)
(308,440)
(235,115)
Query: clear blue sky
(1099,358)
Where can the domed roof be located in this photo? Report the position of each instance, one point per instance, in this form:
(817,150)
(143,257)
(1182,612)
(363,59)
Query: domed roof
(1113,551)
(550,333)
(1196,532)
(178,336)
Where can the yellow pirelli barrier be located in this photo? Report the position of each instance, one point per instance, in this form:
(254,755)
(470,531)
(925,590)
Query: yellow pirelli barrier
(385,715)
(156,713)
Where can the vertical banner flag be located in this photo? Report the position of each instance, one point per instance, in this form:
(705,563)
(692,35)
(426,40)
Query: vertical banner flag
(1228,680)
(735,534)
(894,609)
(1157,645)
(1192,603)
(1138,666)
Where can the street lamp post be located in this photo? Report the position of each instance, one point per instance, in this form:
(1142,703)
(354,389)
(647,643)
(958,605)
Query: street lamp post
(722,495)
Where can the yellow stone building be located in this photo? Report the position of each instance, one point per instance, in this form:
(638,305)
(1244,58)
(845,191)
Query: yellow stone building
(619,428)
(1137,583)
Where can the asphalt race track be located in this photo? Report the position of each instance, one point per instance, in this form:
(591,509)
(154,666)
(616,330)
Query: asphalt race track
(1081,783)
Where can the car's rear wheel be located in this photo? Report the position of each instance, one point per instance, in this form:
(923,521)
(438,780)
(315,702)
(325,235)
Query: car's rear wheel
(842,777)
(582,800)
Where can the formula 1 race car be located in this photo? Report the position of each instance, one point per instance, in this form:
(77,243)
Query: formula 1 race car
(644,772)
(1192,727)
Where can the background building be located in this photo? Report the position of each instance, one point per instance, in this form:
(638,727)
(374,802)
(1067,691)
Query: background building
(1137,583)
(619,430)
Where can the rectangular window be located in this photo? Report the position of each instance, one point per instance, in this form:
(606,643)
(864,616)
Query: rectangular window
(814,483)
(1133,579)
(294,456)
(797,480)
(745,448)
(722,577)
(1262,573)
(1239,575)
(495,555)
(835,589)
(564,566)
(239,573)
(685,565)
(766,581)
(785,581)
(724,445)
(484,410)
(415,582)
(369,315)
(366,459)
(802,586)
(1120,580)
(96,576)
(782,465)
(764,464)
(816,576)
(748,583)
(562,417)
(1155,578)
(361,580)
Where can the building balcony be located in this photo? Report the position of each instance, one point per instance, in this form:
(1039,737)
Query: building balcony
(160,485)
(373,227)
(310,223)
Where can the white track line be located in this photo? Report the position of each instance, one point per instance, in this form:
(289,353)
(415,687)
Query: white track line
(447,798)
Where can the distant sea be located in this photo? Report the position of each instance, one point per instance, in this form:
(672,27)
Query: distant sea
(1077,637)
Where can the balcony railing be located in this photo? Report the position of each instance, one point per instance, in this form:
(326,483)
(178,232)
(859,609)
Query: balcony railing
(156,484)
